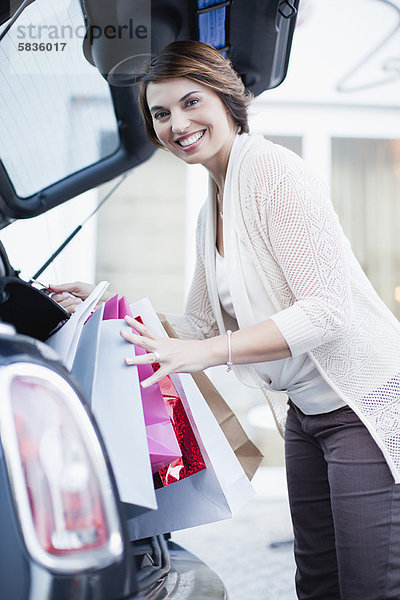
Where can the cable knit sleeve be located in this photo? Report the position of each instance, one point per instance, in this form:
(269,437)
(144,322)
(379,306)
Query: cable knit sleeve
(198,320)
(311,269)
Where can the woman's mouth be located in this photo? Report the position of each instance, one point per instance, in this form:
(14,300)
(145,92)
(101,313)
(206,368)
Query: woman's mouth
(189,141)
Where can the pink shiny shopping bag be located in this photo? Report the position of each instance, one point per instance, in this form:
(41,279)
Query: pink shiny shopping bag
(161,438)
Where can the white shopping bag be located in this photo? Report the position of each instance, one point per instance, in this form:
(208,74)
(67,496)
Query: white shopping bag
(65,340)
(212,494)
(114,392)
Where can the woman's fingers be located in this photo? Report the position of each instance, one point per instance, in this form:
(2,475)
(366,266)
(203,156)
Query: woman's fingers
(173,355)
(77,288)
(140,328)
(62,297)
(142,359)
(68,302)
(158,375)
(70,306)
(73,288)
(147,344)
(138,340)
(155,378)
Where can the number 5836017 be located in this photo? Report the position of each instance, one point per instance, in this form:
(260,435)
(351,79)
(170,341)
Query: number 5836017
(41,46)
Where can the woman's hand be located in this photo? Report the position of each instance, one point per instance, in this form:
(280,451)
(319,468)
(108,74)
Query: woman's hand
(69,295)
(173,355)
(258,343)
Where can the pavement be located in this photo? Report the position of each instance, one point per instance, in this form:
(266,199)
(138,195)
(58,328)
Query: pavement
(252,552)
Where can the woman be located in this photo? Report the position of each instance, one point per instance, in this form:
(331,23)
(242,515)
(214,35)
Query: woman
(274,268)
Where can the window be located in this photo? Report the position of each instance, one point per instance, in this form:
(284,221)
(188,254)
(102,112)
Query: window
(53,103)
(366,195)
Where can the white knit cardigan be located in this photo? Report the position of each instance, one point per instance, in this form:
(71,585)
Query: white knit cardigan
(325,304)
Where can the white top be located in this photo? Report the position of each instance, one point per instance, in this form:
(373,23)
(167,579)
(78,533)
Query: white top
(325,305)
(296,375)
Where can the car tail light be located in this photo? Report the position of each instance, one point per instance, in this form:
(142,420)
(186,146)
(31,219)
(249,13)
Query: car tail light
(59,477)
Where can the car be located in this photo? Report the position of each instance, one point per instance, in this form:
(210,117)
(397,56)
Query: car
(64,527)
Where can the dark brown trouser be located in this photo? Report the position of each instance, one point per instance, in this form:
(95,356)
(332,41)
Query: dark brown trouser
(345,509)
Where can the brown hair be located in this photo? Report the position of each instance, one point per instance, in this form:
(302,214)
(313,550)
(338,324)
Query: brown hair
(201,63)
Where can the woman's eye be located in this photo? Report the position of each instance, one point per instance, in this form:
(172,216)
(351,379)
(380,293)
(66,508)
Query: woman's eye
(160,115)
(192,102)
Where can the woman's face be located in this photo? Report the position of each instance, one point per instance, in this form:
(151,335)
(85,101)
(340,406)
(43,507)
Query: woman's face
(191,121)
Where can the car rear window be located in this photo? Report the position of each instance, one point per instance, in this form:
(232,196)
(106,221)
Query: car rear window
(56,112)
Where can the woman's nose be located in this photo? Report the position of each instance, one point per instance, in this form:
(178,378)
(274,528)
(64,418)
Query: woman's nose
(179,122)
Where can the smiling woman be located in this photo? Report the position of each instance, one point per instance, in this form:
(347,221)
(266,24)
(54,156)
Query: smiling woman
(278,294)
(193,124)
(193,104)
(201,64)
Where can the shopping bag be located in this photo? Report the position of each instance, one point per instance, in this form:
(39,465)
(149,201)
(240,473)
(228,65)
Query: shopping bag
(246,452)
(162,442)
(114,393)
(65,340)
(209,495)
(191,460)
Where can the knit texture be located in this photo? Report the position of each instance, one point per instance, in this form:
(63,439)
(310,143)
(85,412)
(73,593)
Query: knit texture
(325,304)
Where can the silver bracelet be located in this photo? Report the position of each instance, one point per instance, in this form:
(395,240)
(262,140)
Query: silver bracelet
(229,361)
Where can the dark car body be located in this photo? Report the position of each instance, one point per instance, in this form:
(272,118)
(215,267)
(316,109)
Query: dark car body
(149,568)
